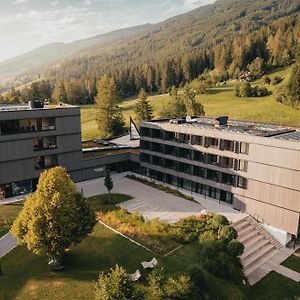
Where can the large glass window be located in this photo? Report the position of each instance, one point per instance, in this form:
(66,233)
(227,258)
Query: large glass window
(243,165)
(244,148)
(44,143)
(242,182)
(26,125)
(45,162)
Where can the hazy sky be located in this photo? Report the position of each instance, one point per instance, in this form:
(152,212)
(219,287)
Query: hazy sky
(27,24)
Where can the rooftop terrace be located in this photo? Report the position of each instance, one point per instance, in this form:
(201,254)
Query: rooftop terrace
(240,127)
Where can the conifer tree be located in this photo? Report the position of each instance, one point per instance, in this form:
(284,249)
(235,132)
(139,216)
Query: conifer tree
(143,109)
(293,86)
(108,183)
(108,115)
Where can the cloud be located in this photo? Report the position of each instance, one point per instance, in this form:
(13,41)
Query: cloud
(54,3)
(20,1)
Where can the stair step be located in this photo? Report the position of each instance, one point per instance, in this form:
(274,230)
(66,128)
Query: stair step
(255,248)
(251,268)
(240,221)
(250,260)
(241,226)
(246,230)
(249,243)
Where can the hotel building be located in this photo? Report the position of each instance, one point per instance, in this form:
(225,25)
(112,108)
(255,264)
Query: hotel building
(253,168)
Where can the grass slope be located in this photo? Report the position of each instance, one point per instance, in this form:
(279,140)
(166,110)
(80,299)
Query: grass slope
(220,101)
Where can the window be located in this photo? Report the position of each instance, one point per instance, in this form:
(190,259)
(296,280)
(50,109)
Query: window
(196,140)
(211,142)
(44,143)
(227,145)
(44,162)
(242,182)
(244,148)
(243,165)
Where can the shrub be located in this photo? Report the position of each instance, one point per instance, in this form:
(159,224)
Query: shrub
(276,80)
(198,279)
(114,285)
(207,236)
(178,287)
(227,233)
(160,287)
(220,220)
(155,284)
(235,248)
(266,80)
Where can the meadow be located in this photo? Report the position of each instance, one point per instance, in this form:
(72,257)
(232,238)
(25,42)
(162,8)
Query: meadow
(219,101)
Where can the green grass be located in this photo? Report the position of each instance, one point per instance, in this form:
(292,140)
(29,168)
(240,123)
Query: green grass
(274,286)
(104,203)
(220,101)
(293,262)
(26,276)
(8,212)
(11,210)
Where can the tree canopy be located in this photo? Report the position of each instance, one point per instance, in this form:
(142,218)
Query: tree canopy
(55,217)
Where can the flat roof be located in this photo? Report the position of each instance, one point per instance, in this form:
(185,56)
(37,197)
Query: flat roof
(240,127)
(5,108)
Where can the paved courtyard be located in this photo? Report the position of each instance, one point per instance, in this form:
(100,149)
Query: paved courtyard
(153,203)
(150,202)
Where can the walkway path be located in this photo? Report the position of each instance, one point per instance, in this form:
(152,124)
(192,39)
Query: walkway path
(7,243)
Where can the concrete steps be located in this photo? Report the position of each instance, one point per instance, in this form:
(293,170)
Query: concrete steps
(260,246)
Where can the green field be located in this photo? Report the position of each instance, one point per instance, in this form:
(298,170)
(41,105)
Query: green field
(219,101)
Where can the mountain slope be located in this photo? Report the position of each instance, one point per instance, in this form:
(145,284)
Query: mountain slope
(37,60)
(201,28)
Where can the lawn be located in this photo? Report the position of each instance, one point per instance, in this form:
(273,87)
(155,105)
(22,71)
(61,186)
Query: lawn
(7,213)
(219,101)
(26,276)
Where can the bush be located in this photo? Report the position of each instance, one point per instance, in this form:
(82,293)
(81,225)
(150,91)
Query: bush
(266,80)
(235,248)
(245,90)
(155,284)
(178,287)
(114,285)
(160,287)
(227,233)
(198,280)
(276,80)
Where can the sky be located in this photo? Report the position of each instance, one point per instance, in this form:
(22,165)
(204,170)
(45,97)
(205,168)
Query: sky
(28,24)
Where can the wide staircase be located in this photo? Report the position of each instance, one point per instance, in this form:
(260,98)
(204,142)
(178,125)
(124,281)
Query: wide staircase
(259,244)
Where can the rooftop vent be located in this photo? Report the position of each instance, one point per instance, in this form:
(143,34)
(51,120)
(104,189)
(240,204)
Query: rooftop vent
(221,121)
(35,104)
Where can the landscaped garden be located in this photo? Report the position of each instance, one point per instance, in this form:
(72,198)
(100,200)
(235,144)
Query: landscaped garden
(204,262)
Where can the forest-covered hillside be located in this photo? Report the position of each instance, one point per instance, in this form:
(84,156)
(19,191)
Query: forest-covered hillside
(226,36)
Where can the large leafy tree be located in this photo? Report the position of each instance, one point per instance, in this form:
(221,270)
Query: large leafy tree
(108,115)
(54,217)
(143,109)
